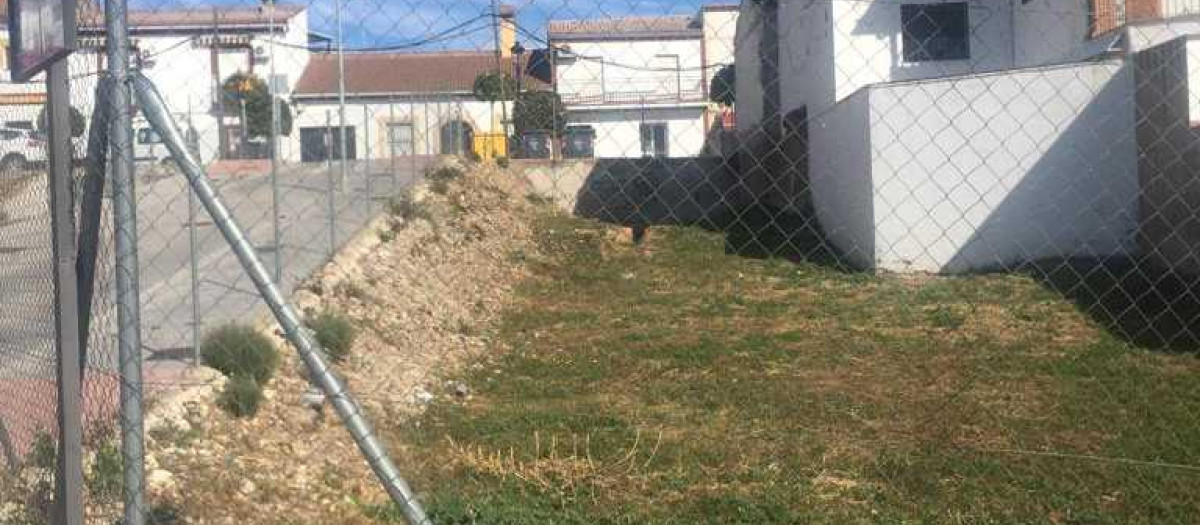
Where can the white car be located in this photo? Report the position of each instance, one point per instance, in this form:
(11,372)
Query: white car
(21,149)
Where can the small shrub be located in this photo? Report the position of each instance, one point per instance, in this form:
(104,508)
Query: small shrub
(406,208)
(946,318)
(164,513)
(237,350)
(502,162)
(106,477)
(386,236)
(334,333)
(241,397)
(43,453)
(440,178)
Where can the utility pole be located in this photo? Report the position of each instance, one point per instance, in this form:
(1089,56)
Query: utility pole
(500,68)
(341,38)
(274,142)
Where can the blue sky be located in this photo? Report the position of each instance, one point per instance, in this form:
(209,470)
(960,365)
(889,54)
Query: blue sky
(391,22)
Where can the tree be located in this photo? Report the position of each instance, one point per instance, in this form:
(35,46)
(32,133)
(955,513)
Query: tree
(78,122)
(494,87)
(539,111)
(723,88)
(253,91)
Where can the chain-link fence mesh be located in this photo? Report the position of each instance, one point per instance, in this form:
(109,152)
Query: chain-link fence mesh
(1049,139)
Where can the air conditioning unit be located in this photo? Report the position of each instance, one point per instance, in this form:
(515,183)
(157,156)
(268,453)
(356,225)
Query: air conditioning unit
(261,56)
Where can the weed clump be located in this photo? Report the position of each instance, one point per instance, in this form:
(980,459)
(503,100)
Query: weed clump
(238,350)
(241,397)
(334,333)
(441,178)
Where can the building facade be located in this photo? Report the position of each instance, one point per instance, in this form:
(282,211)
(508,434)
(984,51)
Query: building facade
(638,86)
(949,136)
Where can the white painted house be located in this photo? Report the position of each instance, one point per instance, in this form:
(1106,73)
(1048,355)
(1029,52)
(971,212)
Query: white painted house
(189,52)
(638,86)
(398,105)
(947,136)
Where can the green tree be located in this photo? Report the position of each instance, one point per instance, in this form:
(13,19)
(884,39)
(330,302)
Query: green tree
(723,88)
(241,87)
(78,122)
(494,87)
(539,111)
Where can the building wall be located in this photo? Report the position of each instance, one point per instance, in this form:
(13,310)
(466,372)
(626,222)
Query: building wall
(749,81)
(370,119)
(1169,158)
(991,170)
(1049,31)
(618,130)
(840,172)
(627,69)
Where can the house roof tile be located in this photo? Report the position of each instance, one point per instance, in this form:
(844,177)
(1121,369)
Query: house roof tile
(399,73)
(673,26)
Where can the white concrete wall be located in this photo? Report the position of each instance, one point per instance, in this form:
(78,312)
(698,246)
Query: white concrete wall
(989,170)
(806,56)
(868,44)
(371,117)
(1049,31)
(840,175)
(618,131)
(1145,35)
(720,37)
(749,87)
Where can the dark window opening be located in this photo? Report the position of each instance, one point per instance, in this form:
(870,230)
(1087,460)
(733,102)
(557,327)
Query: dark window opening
(580,143)
(654,140)
(935,32)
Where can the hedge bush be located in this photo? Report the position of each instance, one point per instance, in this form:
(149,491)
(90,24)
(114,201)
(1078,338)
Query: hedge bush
(241,397)
(334,333)
(238,350)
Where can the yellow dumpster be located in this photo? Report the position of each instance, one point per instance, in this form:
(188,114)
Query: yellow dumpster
(490,145)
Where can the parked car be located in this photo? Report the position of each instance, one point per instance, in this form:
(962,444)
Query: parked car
(21,149)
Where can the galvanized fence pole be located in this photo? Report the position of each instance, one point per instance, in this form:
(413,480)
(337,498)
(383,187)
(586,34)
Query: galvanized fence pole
(368,184)
(194,265)
(391,140)
(310,352)
(331,194)
(274,149)
(129,340)
(69,479)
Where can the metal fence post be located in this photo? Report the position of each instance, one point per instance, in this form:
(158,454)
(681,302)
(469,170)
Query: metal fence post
(367,159)
(331,194)
(69,480)
(194,254)
(391,140)
(274,142)
(129,340)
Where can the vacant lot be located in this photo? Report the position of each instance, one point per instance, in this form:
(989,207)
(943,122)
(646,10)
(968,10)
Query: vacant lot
(674,384)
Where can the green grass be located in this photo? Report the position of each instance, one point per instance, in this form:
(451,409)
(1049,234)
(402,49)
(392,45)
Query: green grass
(676,384)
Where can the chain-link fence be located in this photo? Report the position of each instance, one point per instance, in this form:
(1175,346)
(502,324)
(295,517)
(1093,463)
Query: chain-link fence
(1050,139)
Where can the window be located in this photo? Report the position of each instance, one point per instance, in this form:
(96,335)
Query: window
(400,138)
(935,32)
(19,124)
(580,143)
(654,140)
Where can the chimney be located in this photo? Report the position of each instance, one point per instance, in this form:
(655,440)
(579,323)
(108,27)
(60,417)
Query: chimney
(508,29)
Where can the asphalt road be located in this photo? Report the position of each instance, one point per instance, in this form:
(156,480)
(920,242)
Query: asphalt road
(309,232)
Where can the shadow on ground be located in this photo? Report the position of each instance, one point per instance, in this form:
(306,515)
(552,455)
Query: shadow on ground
(1146,306)
(702,192)
(1143,304)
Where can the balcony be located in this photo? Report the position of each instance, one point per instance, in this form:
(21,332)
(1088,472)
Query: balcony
(633,91)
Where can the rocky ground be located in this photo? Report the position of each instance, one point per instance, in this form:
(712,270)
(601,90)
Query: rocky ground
(423,285)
